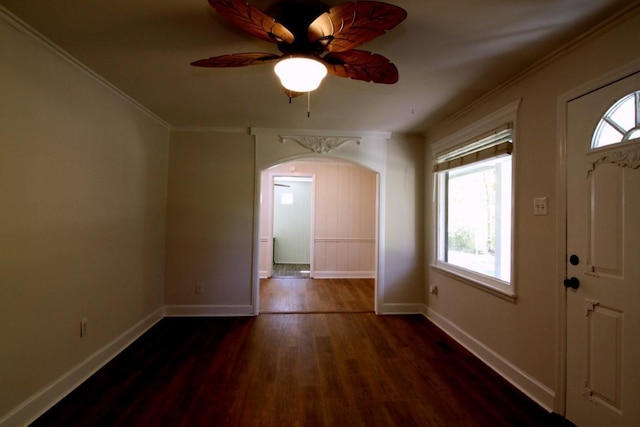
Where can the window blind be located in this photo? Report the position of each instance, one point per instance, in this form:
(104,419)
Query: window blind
(493,144)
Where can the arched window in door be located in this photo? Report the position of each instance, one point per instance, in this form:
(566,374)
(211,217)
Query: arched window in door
(621,122)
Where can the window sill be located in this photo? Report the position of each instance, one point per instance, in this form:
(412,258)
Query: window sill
(462,278)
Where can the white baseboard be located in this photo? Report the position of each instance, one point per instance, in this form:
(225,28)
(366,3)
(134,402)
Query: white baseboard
(208,310)
(537,391)
(43,400)
(344,274)
(39,403)
(401,309)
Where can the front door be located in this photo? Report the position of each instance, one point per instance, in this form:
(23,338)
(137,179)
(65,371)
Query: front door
(603,258)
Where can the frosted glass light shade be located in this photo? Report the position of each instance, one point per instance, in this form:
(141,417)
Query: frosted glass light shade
(300,74)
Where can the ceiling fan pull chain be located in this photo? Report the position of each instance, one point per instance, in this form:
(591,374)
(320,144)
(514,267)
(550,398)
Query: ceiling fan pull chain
(308,104)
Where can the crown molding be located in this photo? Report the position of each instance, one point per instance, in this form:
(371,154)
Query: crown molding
(325,133)
(597,30)
(244,130)
(24,28)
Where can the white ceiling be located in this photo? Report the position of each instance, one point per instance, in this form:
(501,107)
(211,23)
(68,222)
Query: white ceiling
(448,52)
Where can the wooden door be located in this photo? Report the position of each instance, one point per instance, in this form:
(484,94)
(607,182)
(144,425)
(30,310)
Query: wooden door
(603,265)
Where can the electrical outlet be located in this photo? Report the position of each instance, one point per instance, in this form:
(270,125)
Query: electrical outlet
(199,288)
(83,328)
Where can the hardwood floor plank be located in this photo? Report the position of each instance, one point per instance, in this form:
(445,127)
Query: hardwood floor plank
(321,369)
(298,295)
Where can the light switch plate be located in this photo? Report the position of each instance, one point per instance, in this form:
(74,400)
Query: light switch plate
(540,206)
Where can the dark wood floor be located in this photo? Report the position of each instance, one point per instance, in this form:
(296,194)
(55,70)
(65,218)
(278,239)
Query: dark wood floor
(321,369)
(338,364)
(297,295)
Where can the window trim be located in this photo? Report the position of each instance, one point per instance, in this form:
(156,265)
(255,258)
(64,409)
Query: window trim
(607,118)
(468,277)
(506,116)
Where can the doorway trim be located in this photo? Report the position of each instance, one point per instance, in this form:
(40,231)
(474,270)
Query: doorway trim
(561,215)
(369,152)
(270,193)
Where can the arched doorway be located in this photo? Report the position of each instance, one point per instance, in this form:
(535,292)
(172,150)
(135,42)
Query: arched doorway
(366,149)
(342,238)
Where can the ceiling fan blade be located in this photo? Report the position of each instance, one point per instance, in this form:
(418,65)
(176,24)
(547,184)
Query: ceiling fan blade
(236,60)
(253,20)
(349,25)
(361,65)
(321,30)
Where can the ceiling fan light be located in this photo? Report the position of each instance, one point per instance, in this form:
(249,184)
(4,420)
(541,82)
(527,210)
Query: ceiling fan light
(300,74)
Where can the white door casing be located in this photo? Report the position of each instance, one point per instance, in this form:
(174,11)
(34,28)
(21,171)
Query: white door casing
(603,254)
(292,223)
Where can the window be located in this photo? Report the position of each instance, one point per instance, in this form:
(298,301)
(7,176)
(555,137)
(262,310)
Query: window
(473,177)
(286,199)
(476,201)
(621,123)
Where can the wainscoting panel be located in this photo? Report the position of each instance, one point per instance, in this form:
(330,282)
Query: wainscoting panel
(344,218)
(344,257)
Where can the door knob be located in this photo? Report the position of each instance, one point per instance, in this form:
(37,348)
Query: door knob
(572,283)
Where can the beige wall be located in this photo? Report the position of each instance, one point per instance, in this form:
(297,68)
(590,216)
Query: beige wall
(403,225)
(83,177)
(522,338)
(108,216)
(400,210)
(210,222)
(213,217)
(344,218)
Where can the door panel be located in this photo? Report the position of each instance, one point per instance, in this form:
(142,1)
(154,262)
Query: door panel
(604,354)
(605,220)
(603,231)
(292,209)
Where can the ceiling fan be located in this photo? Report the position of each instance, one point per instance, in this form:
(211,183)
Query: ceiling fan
(310,33)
